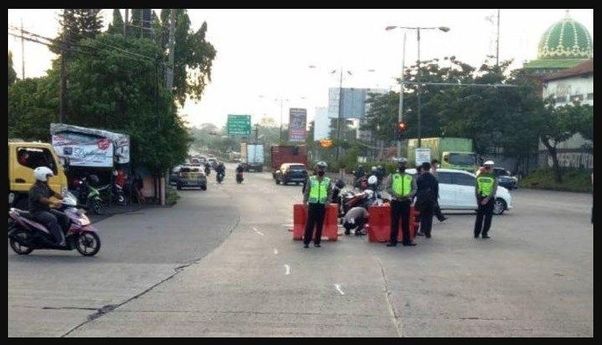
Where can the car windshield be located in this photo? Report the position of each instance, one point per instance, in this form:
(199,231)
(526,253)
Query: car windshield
(462,158)
(297,167)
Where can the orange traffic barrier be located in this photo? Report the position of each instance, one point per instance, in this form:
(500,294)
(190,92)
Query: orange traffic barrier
(329,229)
(379,224)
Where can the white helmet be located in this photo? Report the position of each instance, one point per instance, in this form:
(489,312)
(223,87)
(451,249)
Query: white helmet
(372,180)
(41,173)
(489,162)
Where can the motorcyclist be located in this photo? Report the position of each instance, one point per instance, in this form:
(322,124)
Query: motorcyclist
(40,203)
(239,170)
(359,173)
(220,169)
(207,169)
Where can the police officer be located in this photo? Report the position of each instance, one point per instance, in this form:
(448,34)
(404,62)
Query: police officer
(401,187)
(485,188)
(317,195)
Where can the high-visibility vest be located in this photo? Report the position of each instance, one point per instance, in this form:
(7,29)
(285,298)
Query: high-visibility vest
(402,185)
(485,184)
(318,190)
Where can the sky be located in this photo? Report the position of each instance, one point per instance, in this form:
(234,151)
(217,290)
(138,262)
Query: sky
(263,55)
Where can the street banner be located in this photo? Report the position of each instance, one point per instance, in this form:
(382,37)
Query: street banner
(297,124)
(84,150)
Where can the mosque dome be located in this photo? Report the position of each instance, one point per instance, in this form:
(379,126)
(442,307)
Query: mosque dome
(566,39)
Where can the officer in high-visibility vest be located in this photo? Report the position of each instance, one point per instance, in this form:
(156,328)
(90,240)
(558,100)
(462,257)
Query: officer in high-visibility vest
(402,188)
(317,195)
(485,188)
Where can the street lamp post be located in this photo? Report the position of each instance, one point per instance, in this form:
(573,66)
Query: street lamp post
(418,76)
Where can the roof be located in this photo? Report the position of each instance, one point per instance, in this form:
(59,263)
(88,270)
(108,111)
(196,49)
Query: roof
(566,39)
(552,63)
(583,68)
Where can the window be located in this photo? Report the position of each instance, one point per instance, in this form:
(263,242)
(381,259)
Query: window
(590,96)
(464,179)
(462,158)
(35,157)
(560,99)
(444,177)
(297,167)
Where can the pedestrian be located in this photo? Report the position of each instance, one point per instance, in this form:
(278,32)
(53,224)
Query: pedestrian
(401,187)
(316,197)
(437,209)
(426,196)
(356,218)
(485,189)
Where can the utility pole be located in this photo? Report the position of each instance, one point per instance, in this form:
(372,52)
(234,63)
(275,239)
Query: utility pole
(339,117)
(497,44)
(63,85)
(403,67)
(22,52)
(281,105)
(125,22)
(418,76)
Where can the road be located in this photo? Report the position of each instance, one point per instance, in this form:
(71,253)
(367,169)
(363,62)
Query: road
(223,263)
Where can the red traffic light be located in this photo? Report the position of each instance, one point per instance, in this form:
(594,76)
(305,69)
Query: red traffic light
(401,126)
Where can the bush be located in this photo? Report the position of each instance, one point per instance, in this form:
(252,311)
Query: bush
(171,196)
(573,180)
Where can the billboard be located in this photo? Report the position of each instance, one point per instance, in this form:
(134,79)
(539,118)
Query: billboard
(354,102)
(297,124)
(84,150)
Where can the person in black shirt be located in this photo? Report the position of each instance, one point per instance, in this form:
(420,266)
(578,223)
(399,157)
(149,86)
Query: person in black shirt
(39,205)
(426,197)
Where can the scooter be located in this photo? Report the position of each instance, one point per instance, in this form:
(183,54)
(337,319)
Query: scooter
(239,177)
(26,234)
(114,193)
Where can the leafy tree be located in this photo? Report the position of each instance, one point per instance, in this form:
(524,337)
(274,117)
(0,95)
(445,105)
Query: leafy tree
(32,105)
(12,75)
(90,22)
(116,26)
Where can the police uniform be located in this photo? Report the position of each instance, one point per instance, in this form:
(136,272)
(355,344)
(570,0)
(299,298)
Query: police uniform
(402,188)
(485,186)
(317,195)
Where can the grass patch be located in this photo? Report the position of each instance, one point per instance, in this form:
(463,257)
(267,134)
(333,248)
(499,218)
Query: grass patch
(573,180)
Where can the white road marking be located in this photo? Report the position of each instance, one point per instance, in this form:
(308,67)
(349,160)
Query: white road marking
(338,287)
(257,231)
(288,269)
(289,225)
(275,251)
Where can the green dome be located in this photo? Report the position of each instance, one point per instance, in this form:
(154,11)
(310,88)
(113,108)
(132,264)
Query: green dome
(566,39)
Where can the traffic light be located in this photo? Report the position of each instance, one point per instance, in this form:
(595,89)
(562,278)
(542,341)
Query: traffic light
(400,130)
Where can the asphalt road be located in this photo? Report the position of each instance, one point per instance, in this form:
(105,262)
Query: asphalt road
(223,263)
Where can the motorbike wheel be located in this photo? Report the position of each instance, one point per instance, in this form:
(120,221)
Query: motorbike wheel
(97,207)
(16,246)
(87,243)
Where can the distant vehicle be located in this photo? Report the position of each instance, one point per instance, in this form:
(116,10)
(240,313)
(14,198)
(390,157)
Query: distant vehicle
(505,178)
(202,159)
(195,161)
(281,154)
(252,156)
(452,153)
(456,191)
(291,172)
(191,176)
(173,175)
(212,161)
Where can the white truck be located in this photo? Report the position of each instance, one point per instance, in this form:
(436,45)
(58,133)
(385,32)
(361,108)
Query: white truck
(252,156)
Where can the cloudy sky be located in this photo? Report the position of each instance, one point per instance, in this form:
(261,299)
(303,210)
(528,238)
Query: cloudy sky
(267,52)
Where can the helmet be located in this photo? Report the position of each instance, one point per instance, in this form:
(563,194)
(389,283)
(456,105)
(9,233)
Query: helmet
(321,165)
(402,162)
(94,179)
(41,173)
(340,184)
(489,162)
(372,180)
(373,169)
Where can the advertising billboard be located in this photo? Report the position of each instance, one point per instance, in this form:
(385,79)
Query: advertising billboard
(297,124)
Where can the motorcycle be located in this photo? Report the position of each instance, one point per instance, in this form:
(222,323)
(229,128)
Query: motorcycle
(207,170)
(26,234)
(113,193)
(239,177)
(88,195)
(219,177)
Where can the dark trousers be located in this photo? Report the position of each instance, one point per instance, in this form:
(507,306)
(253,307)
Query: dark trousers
(400,209)
(437,212)
(358,225)
(315,217)
(51,221)
(426,219)
(484,211)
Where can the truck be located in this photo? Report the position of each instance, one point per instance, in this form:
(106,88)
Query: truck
(281,154)
(452,153)
(252,156)
(23,158)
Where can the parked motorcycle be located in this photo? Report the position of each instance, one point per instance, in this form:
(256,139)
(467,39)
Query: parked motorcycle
(26,234)
(113,193)
(239,177)
(88,195)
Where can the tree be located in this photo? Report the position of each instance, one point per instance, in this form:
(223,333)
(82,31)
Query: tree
(12,75)
(32,105)
(116,26)
(193,56)
(90,22)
